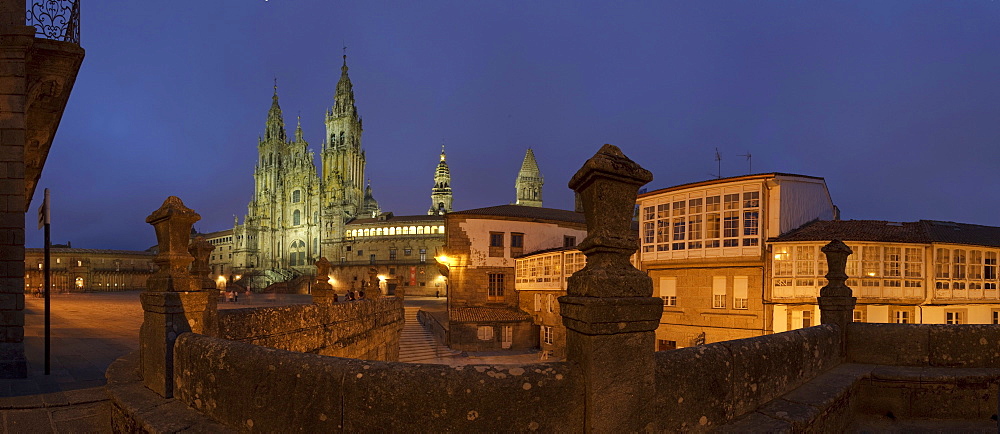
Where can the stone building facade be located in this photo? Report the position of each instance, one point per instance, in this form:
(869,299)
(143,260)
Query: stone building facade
(482,244)
(705,247)
(924,272)
(88,270)
(41,58)
(400,250)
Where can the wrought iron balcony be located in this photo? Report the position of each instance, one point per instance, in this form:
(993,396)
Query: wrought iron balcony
(58,20)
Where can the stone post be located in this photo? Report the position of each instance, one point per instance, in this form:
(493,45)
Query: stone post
(609,311)
(200,249)
(836,303)
(322,290)
(173,302)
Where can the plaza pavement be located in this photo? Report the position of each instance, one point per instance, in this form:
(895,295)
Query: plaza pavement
(89,331)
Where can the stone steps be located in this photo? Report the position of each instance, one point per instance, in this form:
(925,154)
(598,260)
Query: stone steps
(416,344)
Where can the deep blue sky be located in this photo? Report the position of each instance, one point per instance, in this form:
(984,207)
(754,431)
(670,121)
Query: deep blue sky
(895,103)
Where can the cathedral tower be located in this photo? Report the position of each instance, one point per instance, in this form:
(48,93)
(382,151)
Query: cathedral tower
(342,156)
(529,182)
(441,193)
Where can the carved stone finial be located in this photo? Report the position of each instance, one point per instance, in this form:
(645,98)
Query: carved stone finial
(607,185)
(323,270)
(200,249)
(836,301)
(836,264)
(172,223)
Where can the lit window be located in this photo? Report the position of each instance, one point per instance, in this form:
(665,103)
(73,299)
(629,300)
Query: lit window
(423,255)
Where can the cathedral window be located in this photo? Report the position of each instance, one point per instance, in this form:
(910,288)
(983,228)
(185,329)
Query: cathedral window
(296,196)
(297,217)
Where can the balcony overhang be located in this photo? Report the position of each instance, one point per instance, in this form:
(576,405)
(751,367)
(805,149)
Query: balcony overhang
(51,71)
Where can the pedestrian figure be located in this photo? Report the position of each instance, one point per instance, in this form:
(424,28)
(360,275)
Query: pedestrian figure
(350,295)
(361,295)
(437,293)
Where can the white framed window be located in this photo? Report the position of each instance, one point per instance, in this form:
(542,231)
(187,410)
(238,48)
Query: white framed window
(485,333)
(740,284)
(719,292)
(547,335)
(549,301)
(807,316)
(859,316)
(668,291)
(902,317)
(953,317)
(538,302)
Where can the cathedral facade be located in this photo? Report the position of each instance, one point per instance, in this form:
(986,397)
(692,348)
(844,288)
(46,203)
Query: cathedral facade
(298,213)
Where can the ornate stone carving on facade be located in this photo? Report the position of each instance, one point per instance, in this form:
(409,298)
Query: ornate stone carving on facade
(609,311)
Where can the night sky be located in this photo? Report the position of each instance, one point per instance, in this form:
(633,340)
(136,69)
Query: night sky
(895,103)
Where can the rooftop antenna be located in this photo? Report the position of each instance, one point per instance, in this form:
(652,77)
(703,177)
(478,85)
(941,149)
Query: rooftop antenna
(718,159)
(749,161)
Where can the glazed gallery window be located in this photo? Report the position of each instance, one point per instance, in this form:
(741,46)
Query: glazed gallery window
(716,220)
(495,287)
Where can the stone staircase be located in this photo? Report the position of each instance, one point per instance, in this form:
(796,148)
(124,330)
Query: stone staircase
(416,344)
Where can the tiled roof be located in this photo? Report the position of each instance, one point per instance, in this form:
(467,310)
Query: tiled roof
(923,231)
(97,251)
(527,212)
(727,179)
(487,314)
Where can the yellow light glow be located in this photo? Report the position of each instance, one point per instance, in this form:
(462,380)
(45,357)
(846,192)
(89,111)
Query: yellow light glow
(444,259)
(331,281)
(381,278)
(222,278)
(440,277)
(237,277)
(871,273)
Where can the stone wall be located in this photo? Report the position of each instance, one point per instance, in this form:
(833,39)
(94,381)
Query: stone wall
(248,387)
(710,385)
(465,336)
(368,329)
(957,346)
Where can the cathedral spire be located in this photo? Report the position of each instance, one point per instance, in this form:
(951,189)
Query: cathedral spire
(344,97)
(441,193)
(275,127)
(298,129)
(529,182)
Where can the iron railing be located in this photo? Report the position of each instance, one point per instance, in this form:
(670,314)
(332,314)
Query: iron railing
(55,19)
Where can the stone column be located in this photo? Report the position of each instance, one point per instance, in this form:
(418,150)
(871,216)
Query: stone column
(16,40)
(200,249)
(322,290)
(609,311)
(836,303)
(173,302)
